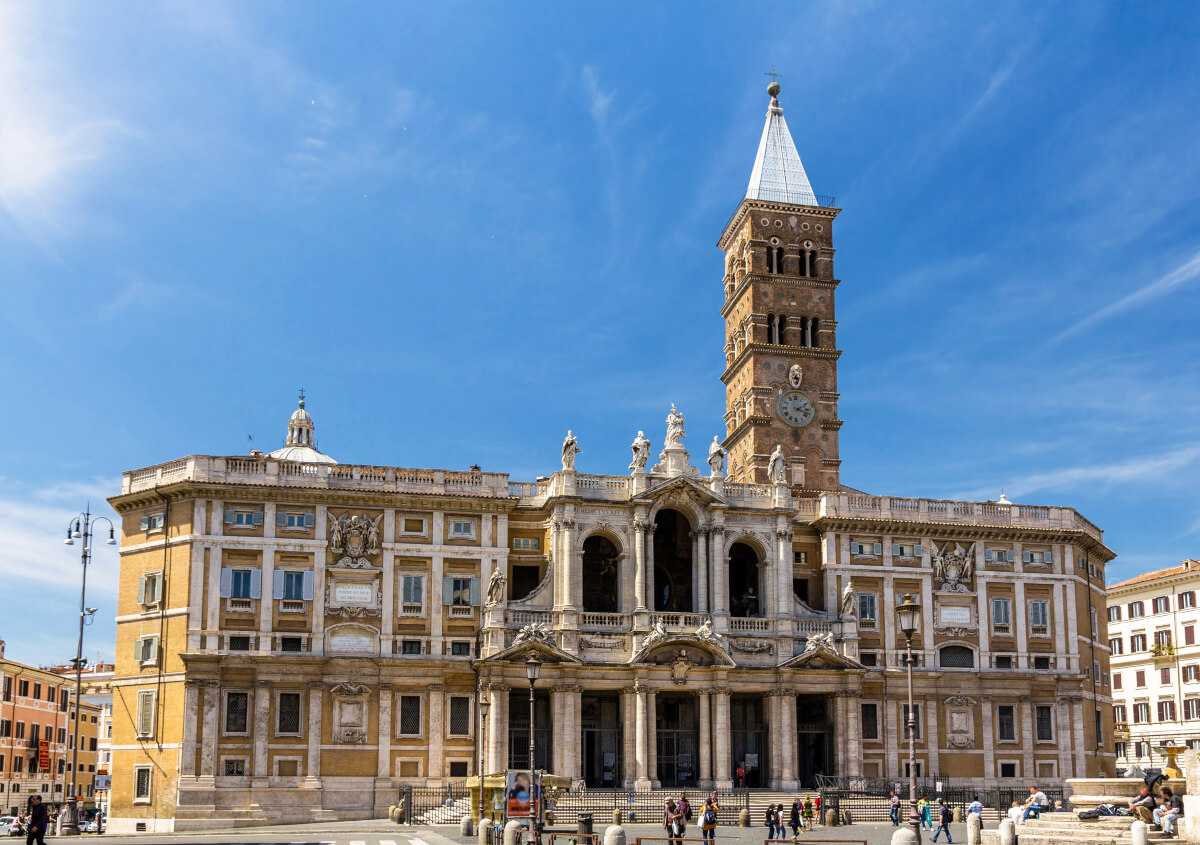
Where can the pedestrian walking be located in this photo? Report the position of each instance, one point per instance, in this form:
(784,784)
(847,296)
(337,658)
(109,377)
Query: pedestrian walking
(769,821)
(39,820)
(794,819)
(708,818)
(685,807)
(894,808)
(923,812)
(945,816)
(673,821)
(807,812)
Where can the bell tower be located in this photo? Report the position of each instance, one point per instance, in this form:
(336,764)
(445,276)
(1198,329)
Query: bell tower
(780,330)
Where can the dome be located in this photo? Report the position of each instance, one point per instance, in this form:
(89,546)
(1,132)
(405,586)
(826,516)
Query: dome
(302,454)
(301,439)
(300,413)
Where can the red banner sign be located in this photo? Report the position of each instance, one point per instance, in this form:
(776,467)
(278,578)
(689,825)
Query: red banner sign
(43,755)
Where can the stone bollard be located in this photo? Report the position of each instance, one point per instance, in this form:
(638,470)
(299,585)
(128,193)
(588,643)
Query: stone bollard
(1008,832)
(974,829)
(956,815)
(484,832)
(614,835)
(1141,833)
(616,817)
(744,818)
(904,835)
(512,833)
(465,828)
(830,818)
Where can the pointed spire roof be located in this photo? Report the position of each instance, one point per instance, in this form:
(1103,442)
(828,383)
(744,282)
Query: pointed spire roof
(778,175)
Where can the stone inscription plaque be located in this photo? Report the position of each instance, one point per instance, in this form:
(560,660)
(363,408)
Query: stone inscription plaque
(956,616)
(354,594)
(352,644)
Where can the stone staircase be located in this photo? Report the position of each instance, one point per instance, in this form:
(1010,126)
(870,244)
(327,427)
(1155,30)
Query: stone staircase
(451,814)
(1069,829)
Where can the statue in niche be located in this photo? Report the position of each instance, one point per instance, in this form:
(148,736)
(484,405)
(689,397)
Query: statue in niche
(747,605)
(716,458)
(848,600)
(497,591)
(570,449)
(675,432)
(777,468)
(641,452)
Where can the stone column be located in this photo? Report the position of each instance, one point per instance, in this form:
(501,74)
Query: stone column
(723,776)
(787,710)
(932,742)
(209,735)
(783,555)
(1080,748)
(1062,735)
(641,753)
(574,753)
(316,700)
(650,566)
(498,728)
(841,742)
(436,730)
(318,605)
(384,767)
(262,727)
(559,724)
(212,622)
(628,732)
(191,706)
(573,589)
(705,749)
(853,729)
(652,736)
(988,715)
(702,605)
(639,571)
(266,601)
(720,569)
(773,751)
(1026,722)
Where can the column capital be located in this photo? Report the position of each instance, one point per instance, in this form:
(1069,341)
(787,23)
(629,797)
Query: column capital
(263,683)
(720,691)
(211,683)
(499,686)
(316,686)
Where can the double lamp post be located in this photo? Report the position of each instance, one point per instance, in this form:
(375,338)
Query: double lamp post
(909,613)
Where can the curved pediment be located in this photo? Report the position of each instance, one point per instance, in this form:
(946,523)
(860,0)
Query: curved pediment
(699,651)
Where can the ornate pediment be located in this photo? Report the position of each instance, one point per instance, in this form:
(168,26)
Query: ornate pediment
(543,649)
(680,490)
(820,656)
(671,648)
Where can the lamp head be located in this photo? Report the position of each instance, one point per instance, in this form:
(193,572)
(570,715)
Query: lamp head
(91,611)
(909,613)
(484,706)
(76,534)
(533,668)
(112,540)
(68,541)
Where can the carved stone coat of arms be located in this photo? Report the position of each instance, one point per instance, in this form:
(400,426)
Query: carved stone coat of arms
(355,537)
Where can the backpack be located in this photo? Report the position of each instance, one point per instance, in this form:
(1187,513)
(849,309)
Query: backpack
(709,816)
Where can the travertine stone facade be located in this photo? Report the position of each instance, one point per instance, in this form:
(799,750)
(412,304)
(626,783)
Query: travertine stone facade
(1153,622)
(299,637)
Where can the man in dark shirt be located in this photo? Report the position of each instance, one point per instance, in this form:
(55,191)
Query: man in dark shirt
(1143,806)
(1171,809)
(39,820)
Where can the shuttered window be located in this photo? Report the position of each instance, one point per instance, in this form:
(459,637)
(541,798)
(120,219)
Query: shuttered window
(145,712)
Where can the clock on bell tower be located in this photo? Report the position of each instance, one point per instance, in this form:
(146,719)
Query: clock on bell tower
(780,332)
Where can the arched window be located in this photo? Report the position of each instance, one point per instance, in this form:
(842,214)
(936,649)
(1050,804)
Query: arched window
(744,596)
(780,337)
(775,259)
(956,657)
(804,331)
(814,338)
(600,575)
(770,328)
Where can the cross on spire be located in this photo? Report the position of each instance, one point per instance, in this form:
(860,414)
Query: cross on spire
(302,397)
(773,74)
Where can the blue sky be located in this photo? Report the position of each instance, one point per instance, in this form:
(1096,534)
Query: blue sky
(465,228)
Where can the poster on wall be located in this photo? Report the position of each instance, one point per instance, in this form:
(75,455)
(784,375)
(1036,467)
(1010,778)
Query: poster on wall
(521,798)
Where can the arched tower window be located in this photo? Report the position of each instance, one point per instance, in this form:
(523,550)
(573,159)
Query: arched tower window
(813,335)
(775,259)
(770,328)
(804,331)
(780,336)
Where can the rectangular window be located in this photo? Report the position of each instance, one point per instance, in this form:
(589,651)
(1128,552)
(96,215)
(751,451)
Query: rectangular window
(1004,661)
(237,705)
(153,522)
(1164,675)
(1191,708)
(1045,722)
(240,585)
(291,644)
(1039,617)
(1141,712)
(870,548)
(906,549)
(1119,714)
(247,519)
(412,589)
(527,543)
(235,768)
(1187,599)
(800,558)
(295,521)
(1095,620)
(37,690)
(1137,643)
(1162,638)
(145,713)
(1189,635)
(1039,557)
(916,719)
(239,643)
(410,647)
(1166,711)
(5,728)
(1136,609)
(1116,645)
(145,650)
(1116,680)
(23,688)
(460,649)
(1140,677)
(1006,722)
(866,610)
(412,525)
(868,658)
(1114,613)
(1040,662)
(288,721)
(870,721)
(410,715)
(35,732)
(1162,604)
(998,556)
(141,783)
(462,529)
(1001,616)
(293,586)
(1191,672)
(460,715)
(460,592)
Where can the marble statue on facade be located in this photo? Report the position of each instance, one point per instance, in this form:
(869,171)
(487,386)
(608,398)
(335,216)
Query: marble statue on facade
(777,468)
(641,452)
(816,641)
(497,591)
(848,598)
(570,449)
(716,458)
(675,432)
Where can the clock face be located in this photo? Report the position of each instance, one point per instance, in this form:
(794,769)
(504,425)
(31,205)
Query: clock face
(795,408)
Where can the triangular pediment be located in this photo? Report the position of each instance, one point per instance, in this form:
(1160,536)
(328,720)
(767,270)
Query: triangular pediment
(681,486)
(519,652)
(820,657)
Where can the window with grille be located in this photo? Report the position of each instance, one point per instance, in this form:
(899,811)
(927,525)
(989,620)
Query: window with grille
(1166,711)
(288,721)
(1141,712)
(1004,661)
(410,715)
(460,716)
(239,643)
(1191,708)
(956,657)
(460,648)
(236,708)
(291,644)
(1006,723)
(916,720)
(1162,604)
(141,783)
(870,721)
(410,647)
(1045,722)
(235,768)
(1041,663)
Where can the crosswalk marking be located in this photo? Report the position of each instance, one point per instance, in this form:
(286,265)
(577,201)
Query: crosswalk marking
(357,842)
(387,842)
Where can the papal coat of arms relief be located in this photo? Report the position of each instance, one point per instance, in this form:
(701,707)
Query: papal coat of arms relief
(953,567)
(355,537)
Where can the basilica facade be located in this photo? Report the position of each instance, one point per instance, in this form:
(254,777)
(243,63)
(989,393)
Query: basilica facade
(306,636)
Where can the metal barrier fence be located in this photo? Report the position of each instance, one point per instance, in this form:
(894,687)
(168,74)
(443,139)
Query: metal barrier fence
(646,807)
(873,805)
(427,804)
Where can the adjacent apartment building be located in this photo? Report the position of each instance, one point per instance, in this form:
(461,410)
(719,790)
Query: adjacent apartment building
(298,637)
(1153,622)
(97,693)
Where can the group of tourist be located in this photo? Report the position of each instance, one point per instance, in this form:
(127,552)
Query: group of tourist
(677,814)
(1146,809)
(800,817)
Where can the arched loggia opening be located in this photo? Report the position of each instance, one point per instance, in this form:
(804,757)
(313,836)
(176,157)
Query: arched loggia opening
(744,596)
(672,562)
(600,575)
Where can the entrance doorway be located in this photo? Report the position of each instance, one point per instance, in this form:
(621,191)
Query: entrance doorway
(602,740)
(677,722)
(815,750)
(672,562)
(518,730)
(749,739)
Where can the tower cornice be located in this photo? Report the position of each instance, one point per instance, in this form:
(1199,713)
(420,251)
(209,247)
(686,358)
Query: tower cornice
(776,350)
(748,205)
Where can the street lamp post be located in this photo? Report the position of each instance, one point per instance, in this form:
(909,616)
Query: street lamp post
(80,528)
(909,613)
(533,668)
(483,714)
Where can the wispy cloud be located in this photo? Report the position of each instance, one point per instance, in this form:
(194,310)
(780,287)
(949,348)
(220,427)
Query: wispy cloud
(599,99)
(1178,277)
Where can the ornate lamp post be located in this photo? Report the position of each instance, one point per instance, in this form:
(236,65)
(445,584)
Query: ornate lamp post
(909,613)
(533,668)
(80,528)
(484,705)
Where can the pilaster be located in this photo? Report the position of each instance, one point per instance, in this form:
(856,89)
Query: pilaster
(208,739)
(262,729)
(383,767)
(316,700)
(706,742)
(723,776)
(436,731)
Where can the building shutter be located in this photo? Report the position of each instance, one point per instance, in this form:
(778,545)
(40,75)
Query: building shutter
(258,518)
(896,550)
(142,590)
(307,586)
(280,518)
(475,592)
(917,550)
(309,520)
(447,589)
(1027,557)
(158,587)
(989,555)
(879,548)
(137,651)
(277,584)
(226,582)
(153,656)
(230,516)
(256,583)
(145,523)
(1009,556)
